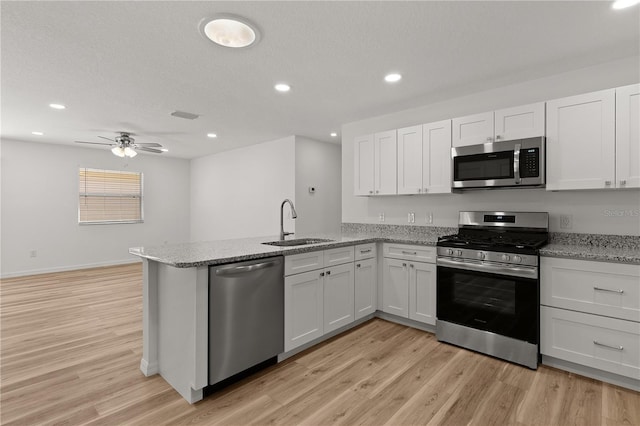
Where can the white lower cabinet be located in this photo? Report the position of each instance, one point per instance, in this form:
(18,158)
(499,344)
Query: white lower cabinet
(366,285)
(409,287)
(303,309)
(590,314)
(422,292)
(338,296)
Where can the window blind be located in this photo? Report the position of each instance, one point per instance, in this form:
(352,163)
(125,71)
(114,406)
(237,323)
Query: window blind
(109,196)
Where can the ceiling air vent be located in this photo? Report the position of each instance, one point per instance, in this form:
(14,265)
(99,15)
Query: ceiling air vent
(185,115)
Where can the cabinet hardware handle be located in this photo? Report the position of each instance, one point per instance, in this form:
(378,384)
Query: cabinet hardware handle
(623,182)
(617,348)
(365,251)
(419,190)
(370,192)
(411,265)
(610,291)
(607,183)
(413,253)
(404,265)
(498,137)
(357,265)
(322,274)
(328,272)
(377,191)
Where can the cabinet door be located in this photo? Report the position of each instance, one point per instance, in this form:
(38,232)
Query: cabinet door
(303,314)
(436,157)
(472,129)
(581,141)
(410,160)
(627,136)
(526,121)
(365,287)
(338,296)
(422,292)
(385,170)
(395,287)
(363,165)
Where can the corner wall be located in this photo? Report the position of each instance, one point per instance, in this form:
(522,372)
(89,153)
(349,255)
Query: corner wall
(602,212)
(40,208)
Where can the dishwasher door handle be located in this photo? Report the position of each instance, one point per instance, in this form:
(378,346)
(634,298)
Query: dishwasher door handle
(234,270)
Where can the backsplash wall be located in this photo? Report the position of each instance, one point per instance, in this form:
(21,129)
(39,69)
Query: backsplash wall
(599,212)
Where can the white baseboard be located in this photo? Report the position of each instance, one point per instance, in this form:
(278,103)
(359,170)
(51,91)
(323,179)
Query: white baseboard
(66,268)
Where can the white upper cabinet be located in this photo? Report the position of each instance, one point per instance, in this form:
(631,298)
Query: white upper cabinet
(363,180)
(525,121)
(424,158)
(436,157)
(473,129)
(581,141)
(521,122)
(627,136)
(410,160)
(385,167)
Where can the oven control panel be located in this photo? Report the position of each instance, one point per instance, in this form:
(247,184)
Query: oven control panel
(488,256)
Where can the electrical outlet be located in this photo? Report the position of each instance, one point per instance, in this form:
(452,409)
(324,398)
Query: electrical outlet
(381,217)
(429,218)
(33,253)
(566,221)
(411,217)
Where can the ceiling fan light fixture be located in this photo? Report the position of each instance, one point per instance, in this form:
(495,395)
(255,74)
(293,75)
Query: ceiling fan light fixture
(230,31)
(118,151)
(130,152)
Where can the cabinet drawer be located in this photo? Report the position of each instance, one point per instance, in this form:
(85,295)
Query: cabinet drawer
(604,343)
(410,252)
(303,262)
(365,251)
(338,256)
(610,289)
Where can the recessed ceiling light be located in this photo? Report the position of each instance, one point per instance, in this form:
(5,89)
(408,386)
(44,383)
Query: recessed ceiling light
(37,133)
(392,78)
(212,135)
(164,150)
(230,31)
(282,87)
(57,106)
(623,4)
(334,134)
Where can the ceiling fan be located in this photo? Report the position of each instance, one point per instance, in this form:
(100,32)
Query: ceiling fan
(125,145)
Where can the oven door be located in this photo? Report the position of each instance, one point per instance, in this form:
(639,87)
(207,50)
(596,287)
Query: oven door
(503,304)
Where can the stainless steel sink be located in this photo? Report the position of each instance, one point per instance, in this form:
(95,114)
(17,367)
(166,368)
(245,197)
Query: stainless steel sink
(297,242)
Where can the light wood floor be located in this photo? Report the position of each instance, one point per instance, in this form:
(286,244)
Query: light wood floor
(71,348)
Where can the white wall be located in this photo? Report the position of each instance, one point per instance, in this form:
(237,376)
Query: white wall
(237,194)
(318,165)
(591,210)
(40,208)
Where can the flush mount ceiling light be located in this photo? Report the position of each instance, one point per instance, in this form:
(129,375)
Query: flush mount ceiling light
(230,31)
(392,78)
(623,4)
(57,106)
(282,87)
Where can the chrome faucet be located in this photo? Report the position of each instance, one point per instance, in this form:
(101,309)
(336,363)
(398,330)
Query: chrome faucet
(293,216)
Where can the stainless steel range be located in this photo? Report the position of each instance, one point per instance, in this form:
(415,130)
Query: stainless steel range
(488,286)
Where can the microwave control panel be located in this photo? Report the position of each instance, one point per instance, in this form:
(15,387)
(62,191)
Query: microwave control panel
(529,162)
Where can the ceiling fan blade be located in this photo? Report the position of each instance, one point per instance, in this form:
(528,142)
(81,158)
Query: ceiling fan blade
(109,139)
(149,144)
(142,148)
(95,143)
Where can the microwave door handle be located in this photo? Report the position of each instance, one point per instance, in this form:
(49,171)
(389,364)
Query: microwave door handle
(516,163)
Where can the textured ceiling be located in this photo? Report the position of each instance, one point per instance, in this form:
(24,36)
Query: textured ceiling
(127,65)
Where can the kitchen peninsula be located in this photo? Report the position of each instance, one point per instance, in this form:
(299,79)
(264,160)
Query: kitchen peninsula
(176,278)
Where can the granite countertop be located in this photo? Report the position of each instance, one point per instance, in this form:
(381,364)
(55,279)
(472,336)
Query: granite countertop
(607,248)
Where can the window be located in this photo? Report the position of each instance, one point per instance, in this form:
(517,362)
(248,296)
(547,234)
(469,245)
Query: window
(109,196)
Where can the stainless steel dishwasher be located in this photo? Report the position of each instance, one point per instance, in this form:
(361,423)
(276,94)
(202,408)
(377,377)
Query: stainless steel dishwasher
(246,315)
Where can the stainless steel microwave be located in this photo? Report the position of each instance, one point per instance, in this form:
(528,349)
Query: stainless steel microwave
(507,164)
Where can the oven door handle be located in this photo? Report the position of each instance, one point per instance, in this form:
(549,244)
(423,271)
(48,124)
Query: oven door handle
(494,268)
